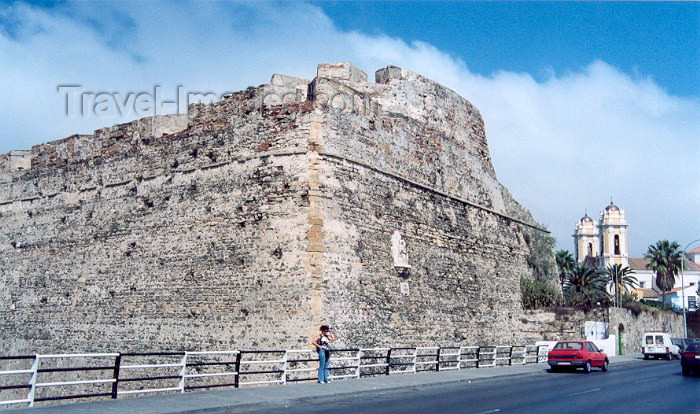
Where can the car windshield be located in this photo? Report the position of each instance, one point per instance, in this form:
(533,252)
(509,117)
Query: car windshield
(569,345)
(694,347)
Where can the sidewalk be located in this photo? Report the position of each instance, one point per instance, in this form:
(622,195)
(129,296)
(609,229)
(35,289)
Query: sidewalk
(230,400)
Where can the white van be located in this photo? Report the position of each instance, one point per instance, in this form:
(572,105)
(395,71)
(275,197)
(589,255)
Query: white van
(658,344)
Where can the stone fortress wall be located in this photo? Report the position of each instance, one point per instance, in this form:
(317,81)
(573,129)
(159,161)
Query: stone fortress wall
(249,222)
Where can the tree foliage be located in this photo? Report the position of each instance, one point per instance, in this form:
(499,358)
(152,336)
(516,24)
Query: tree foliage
(620,280)
(541,257)
(665,260)
(539,294)
(565,263)
(586,287)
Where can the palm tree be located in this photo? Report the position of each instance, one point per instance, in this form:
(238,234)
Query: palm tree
(587,283)
(565,263)
(665,260)
(620,279)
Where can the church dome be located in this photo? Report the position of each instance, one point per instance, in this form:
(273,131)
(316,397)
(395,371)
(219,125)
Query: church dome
(586,219)
(612,207)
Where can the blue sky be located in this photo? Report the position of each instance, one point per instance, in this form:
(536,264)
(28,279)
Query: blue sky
(661,40)
(581,101)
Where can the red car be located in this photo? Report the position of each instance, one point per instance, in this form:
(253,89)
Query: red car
(577,354)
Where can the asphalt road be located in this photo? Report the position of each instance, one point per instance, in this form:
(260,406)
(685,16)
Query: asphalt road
(640,387)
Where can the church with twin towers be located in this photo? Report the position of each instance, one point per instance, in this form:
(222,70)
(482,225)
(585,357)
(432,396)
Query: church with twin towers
(603,243)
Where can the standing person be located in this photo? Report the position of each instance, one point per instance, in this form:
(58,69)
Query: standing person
(322,344)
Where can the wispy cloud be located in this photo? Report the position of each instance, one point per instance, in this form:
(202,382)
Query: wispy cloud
(562,144)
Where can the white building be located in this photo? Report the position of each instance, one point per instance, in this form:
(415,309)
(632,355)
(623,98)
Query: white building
(648,289)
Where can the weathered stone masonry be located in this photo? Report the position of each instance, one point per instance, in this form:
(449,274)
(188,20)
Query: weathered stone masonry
(249,222)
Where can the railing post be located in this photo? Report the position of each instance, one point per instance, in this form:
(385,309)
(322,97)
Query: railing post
(237,378)
(359,362)
(183,372)
(478,356)
(415,359)
(459,359)
(115,384)
(388,361)
(32,381)
(510,356)
(437,363)
(284,368)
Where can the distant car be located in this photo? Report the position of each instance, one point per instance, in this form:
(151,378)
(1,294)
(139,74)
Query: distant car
(690,359)
(577,354)
(659,344)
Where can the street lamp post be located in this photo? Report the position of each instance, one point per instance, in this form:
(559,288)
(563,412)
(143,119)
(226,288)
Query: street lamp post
(685,321)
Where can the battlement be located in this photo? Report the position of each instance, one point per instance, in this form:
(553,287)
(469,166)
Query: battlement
(447,138)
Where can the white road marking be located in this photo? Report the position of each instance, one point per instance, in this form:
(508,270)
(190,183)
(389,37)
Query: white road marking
(584,392)
(492,411)
(645,380)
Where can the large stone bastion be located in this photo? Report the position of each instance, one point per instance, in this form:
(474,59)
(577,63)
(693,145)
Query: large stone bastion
(373,207)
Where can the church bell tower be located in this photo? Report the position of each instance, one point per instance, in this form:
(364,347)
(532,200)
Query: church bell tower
(613,236)
(586,241)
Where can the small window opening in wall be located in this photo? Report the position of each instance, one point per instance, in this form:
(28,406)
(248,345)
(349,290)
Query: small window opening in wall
(641,285)
(590,249)
(617,244)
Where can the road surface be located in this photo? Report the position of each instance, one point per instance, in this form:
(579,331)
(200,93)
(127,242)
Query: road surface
(640,387)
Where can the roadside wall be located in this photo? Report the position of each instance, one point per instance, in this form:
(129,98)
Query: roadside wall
(633,327)
(565,323)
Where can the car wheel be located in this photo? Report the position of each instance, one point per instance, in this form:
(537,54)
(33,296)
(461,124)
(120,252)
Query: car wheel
(646,356)
(605,366)
(669,357)
(554,369)
(686,371)
(587,368)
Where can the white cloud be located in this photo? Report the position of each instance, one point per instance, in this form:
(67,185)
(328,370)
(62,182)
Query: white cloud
(560,145)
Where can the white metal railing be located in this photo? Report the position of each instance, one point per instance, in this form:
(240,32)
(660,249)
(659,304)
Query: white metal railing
(406,356)
(468,355)
(503,354)
(298,361)
(489,355)
(450,358)
(281,364)
(167,367)
(181,371)
(350,362)
(226,372)
(373,358)
(423,359)
(518,355)
(36,369)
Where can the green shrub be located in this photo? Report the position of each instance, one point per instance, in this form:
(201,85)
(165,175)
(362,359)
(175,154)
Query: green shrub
(585,299)
(541,258)
(539,294)
(657,306)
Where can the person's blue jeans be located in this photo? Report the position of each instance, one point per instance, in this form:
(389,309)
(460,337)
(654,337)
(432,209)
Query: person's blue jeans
(324,357)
